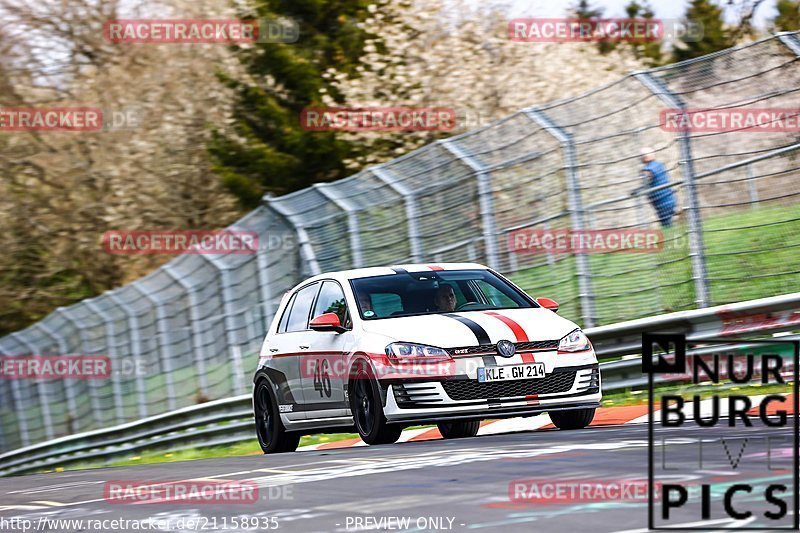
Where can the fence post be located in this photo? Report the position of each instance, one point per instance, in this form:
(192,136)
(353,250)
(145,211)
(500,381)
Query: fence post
(113,356)
(264,282)
(696,246)
(230,313)
(80,327)
(306,248)
(752,186)
(485,199)
(352,220)
(44,401)
(410,201)
(136,349)
(19,409)
(790,39)
(69,384)
(577,213)
(195,327)
(165,348)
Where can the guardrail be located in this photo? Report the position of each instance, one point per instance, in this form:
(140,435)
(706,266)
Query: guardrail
(215,423)
(753,317)
(230,420)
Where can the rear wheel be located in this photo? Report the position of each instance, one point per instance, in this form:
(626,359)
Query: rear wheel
(459,430)
(272,435)
(365,404)
(574,419)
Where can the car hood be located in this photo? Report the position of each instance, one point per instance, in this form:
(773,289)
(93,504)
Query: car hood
(471,328)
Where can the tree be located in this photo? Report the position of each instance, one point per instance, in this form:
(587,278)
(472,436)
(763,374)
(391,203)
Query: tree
(650,51)
(60,191)
(266,148)
(583,10)
(715,35)
(788,17)
(467,63)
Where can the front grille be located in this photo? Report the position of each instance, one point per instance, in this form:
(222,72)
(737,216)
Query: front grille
(407,395)
(473,390)
(473,350)
(483,349)
(535,346)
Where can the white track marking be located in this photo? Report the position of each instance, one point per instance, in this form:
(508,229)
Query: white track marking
(735,523)
(511,425)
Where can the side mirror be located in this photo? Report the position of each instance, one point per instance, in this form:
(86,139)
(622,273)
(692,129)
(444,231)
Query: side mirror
(547,303)
(327,322)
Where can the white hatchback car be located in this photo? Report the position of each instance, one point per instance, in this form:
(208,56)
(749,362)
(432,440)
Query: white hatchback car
(380,349)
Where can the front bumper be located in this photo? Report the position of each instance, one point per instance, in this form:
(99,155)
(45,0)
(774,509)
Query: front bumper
(459,397)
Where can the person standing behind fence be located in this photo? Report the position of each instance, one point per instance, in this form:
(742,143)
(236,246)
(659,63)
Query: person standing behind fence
(654,174)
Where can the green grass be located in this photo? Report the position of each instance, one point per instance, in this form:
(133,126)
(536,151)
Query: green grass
(750,253)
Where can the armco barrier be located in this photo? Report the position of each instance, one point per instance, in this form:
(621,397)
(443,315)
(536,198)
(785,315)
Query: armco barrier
(231,420)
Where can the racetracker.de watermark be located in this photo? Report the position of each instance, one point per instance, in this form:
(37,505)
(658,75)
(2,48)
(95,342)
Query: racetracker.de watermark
(378,119)
(55,367)
(727,120)
(68,119)
(615,30)
(533,241)
(200,31)
(194,491)
(568,491)
(149,242)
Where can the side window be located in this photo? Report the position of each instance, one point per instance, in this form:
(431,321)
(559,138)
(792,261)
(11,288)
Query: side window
(298,316)
(285,317)
(331,300)
(384,304)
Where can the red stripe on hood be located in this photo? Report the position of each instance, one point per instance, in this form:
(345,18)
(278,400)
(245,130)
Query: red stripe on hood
(519,333)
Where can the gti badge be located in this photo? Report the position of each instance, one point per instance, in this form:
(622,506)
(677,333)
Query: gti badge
(506,348)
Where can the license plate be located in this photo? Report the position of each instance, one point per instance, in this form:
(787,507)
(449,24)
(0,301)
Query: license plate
(511,372)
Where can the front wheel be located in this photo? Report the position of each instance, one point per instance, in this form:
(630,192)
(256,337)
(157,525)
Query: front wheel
(573,419)
(459,430)
(272,436)
(365,404)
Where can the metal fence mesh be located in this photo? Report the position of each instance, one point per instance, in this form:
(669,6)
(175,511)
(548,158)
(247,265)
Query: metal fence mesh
(190,330)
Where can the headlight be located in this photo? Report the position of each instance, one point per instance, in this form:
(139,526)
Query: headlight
(400,351)
(574,342)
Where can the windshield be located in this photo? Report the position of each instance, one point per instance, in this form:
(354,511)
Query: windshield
(423,293)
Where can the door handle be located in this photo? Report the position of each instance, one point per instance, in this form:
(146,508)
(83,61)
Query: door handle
(304,347)
(273,349)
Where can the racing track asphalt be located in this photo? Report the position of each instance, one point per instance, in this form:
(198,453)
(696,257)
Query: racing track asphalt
(464,480)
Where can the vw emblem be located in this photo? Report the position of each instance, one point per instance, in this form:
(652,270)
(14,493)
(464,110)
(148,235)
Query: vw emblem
(506,348)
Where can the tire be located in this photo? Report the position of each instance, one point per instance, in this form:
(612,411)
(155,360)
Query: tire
(365,404)
(459,430)
(272,435)
(574,419)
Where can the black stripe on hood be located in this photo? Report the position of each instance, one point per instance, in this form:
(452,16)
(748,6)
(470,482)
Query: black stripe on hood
(477,330)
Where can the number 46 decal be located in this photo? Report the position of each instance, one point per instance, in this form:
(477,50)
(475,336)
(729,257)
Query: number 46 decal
(322,377)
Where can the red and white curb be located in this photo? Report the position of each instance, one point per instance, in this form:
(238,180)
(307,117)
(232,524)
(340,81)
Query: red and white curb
(605,416)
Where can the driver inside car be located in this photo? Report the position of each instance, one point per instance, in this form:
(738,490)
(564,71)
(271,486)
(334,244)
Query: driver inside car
(445,299)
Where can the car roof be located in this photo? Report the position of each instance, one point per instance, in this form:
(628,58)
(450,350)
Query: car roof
(344,275)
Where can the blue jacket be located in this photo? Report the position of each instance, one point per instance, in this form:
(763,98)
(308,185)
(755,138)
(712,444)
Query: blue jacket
(657,175)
